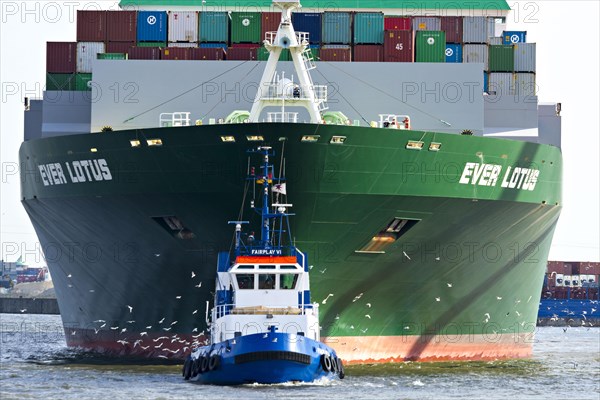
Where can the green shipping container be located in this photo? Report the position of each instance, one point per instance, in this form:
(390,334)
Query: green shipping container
(112,56)
(502,58)
(245,27)
(430,46)
(81,81)
(60,81)
(263,55)
(214,26)
(368,28)
(151,44)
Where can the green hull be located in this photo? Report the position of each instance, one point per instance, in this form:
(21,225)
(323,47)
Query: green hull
(462,283)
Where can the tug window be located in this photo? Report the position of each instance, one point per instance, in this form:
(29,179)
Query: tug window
(245,281)
(288,281)
(266,281)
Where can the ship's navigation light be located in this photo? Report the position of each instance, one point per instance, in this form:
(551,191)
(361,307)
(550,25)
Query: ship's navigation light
(135,143)
(434,146)
(255,138)
(228,139)
(414,145)
(154,142)
(94,150)
(310,138)
(338,140)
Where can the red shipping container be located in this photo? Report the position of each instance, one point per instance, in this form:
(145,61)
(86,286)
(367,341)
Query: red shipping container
(453,26)
(335,54)
(242,53)
(212,53)
(397,24)
(119,47)
(368,52)
(61,57)
(144,53)
(121,26)
(398,46)
(269,23)
(91,26)
(174,53)
(245,45)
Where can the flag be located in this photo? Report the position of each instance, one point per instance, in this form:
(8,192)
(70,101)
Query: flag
(279,188)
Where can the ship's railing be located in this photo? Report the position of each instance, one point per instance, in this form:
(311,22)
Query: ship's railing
(301,37)
(174,119)
(292,91)
(227,309)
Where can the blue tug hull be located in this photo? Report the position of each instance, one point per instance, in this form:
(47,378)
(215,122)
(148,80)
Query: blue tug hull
(265,358)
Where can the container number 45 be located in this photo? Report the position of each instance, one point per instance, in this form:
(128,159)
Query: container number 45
(399,46)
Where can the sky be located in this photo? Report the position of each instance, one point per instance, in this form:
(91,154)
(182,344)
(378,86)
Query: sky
(568,47)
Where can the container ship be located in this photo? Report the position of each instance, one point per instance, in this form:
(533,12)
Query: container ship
(427,174)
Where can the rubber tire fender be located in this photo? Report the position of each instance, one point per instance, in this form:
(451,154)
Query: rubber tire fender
(187,369)
(214,362)
(326,362)
(204,364)
(340,367)
(196,367)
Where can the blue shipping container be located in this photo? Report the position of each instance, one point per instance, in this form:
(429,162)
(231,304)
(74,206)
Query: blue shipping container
(214,26)
(368,28)
(512,37)
(453,53)
(336,28)
(308,22)
(152,26)
(213,45)
(486,79)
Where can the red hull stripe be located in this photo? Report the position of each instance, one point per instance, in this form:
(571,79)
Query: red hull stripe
(265,260)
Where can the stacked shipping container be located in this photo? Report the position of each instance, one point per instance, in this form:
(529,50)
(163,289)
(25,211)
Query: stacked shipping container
(360,36)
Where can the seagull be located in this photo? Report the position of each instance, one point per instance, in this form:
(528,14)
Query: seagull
(160,338)
(72,333)
(593,310)
(99,320)
(130,308)
(145,347)
(310,267)
(103,325)
(156,254)
(195,330)
(274,340)
(367,316)
(438,299)
(368,305)
(136,343)
(123,330)
(23,310)
(193,274)
(165,357)
(92,290)
(195,311)
(70,275)
(167,329)
(351,326)
(161,321)
(70,285)
(266,335)
(487,317)
(149,327)
(323,270)
(518,313)
(131,322)
(498,298)
(406,327)
(326,298)
(114,328)
(123,342)
(364,330)
(159,346)
(143,333)
(449,284)
(173,323)
(357,297)
(96,331)
(437,259)
(405,255)
(178,297)
(198,285)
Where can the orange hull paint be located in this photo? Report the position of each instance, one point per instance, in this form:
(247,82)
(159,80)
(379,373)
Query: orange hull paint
(386,349)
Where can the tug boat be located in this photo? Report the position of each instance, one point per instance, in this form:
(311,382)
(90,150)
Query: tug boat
(263,326)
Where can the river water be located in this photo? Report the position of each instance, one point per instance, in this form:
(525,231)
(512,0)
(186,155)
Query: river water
(35,363)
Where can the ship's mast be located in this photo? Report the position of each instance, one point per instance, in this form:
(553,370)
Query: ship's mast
(279,93)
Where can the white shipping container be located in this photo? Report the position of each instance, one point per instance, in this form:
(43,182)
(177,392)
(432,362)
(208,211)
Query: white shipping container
(86,53)
(525,57)
(478,29)
(501,84)
(496,41)
(427,24)
(525,84)
(183,44)
(476,53)
(183,26)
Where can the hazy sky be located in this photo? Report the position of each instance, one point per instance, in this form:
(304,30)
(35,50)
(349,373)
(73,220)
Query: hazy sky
(567,37)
